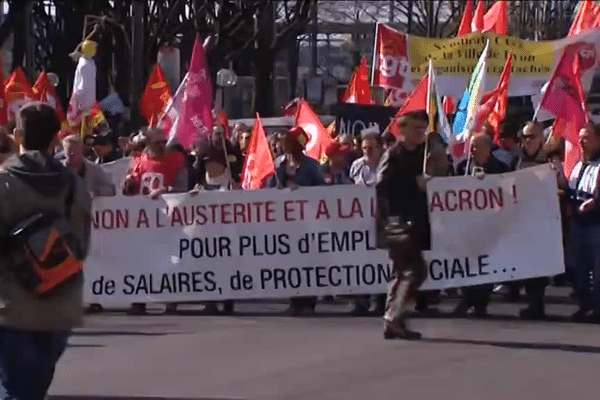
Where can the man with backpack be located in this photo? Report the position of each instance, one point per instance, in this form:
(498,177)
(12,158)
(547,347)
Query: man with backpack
(44,238)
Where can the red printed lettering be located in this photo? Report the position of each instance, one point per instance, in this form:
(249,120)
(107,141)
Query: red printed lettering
(322,210)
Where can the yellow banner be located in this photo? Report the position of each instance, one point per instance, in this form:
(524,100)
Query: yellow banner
(458,56)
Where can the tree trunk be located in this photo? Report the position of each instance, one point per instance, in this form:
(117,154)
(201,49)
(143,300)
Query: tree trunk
(264,62)
(263,84)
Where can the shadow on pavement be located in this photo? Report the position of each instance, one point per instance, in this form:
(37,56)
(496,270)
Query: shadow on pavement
(119,333)
(93,397)
(573,348)
(86,345)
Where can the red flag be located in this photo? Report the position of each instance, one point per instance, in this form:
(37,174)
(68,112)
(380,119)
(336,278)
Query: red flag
(478,17)
(320,138)
(494,109)
(359,90)
(586,17)
(415,102)
(18,91)
(259,162)
(567,129)
(86,124)
(467,19)
(564,97)
(156,96)
(391,66)
(188,116)
(224,121)
(43,90)
(449,105)
(496,19)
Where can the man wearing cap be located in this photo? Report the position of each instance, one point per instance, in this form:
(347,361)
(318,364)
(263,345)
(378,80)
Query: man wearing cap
(403,220)
(335,167)
(104,147)
(292,170)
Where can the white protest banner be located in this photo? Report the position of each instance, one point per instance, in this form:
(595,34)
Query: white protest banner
(117,170)
(316,241)
(235,245)
(502,228)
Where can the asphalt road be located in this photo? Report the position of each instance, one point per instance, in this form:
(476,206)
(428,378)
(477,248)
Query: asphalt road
(259,354)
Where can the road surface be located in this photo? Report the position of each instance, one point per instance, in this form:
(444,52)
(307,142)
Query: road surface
(260,354)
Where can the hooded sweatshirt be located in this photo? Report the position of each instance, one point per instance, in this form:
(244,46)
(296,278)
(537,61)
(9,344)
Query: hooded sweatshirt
(30,183)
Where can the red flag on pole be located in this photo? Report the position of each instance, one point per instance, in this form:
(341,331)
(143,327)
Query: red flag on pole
(259,161)
(415,102)
(319,136)
(359,90)
(494,108)
(586,17)
(188,116)
(564,97)
(478,17)
(18,91)
(156,96)
(44,91)
(467,19)
(496,19)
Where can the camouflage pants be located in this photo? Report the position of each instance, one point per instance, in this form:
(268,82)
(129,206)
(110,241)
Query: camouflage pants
(409,271)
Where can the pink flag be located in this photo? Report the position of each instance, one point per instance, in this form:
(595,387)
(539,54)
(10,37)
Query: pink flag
(564,97)
(188,116)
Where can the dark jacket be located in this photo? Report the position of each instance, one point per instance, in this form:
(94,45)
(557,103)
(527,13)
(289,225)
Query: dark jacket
(37,182)
(526,161)
(309,173)
(493,166)
(398,193)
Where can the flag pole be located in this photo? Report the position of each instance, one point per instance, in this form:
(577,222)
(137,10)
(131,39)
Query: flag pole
(375,62)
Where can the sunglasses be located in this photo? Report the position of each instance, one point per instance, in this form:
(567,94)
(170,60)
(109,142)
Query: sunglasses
(529,137)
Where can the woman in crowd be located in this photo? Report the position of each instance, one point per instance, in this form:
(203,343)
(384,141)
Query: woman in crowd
(292,170)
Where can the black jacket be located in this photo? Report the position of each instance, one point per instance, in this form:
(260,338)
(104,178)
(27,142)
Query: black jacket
(398,193)
(493,166)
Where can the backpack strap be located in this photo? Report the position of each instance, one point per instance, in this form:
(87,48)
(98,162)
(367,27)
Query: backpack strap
(70,199)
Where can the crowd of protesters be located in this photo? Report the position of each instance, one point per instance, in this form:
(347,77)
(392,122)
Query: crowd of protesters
(216,164)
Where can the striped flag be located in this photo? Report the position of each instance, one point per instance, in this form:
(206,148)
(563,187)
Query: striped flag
(468,106)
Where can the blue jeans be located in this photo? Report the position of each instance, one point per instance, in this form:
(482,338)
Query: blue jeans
(27,361)
(583,264)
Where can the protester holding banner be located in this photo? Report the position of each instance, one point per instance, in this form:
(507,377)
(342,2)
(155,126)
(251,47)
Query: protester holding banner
(533,154)
(335,166)
(156,171)
(364,172)
(292,170)
(217,139)
(403,220)
(584,238)
(480,162)
(217,178)
(439,164)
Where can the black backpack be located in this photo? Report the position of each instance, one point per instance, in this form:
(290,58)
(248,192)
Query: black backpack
(42,250)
